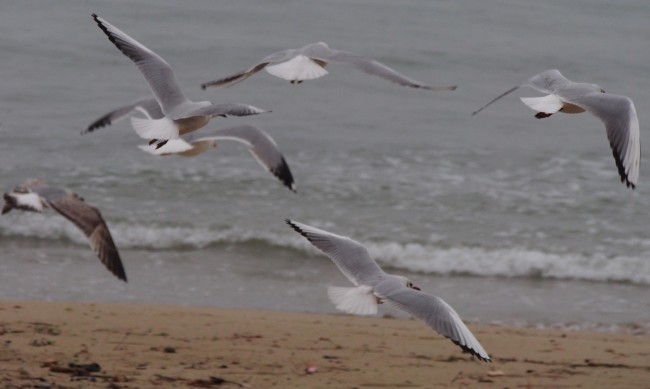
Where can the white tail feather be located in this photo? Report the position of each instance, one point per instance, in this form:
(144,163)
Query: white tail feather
(545,104)
(359,300)
(164,128)
(297,69)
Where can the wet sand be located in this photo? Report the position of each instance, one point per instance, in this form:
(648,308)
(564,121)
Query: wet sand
(57,344)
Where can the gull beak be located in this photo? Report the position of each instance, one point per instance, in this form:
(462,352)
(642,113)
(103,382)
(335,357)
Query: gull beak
(415,287)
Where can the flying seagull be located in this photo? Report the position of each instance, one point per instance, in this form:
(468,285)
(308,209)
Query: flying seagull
(35,195)
(308,62)
(616,112)
(260,144)
(373,286)
(181,115)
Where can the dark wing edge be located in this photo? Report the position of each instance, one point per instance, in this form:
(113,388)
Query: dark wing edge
(95,229)
(235,78)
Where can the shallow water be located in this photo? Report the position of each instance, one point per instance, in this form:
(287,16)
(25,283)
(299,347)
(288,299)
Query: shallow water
(506,217)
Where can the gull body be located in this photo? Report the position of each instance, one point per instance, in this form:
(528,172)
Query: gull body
(35,195)
(308,63)
(260,144)
(181,115)
(617,113)
(374,286)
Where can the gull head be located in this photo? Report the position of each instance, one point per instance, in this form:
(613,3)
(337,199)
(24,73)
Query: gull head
(408,283)
(598,88)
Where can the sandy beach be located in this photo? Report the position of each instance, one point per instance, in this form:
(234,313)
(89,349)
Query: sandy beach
(86,345)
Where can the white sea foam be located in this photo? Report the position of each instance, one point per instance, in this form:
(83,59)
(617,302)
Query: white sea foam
(415,257)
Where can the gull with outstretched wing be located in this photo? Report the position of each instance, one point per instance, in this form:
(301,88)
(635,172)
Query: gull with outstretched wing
(36,195)
(181,115)
(616,112)
(308,63)
(260,144)
(374,286)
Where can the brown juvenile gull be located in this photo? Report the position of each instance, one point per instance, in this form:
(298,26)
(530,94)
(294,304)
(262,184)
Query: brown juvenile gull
(373,286)
(260,144)
(35,195)
(308,63)
(181,115)
(616,112)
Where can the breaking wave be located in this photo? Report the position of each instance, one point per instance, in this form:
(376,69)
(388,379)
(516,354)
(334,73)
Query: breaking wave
(414,257)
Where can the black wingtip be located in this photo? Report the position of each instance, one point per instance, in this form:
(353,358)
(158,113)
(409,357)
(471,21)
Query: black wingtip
(621,171)
(99,123)
(471,351)
(295,227)
(283,173)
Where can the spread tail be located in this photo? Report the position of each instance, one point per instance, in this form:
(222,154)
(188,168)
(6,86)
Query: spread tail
(359,300)
(163,128)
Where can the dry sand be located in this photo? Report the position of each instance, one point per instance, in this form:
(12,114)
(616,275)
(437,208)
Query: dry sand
(146,346)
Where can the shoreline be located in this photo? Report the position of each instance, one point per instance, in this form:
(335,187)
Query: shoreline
(149,345)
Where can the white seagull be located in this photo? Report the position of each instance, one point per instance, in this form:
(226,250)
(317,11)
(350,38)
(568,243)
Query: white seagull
(308,63)
(373,286)
(181,115)
(35,195)
(616,112)
(260,144)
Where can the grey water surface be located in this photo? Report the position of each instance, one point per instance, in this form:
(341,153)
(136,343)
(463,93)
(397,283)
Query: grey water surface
(506,217)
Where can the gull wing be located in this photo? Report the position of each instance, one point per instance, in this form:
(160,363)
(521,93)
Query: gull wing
(227,109)
(89,220)
(261,146)
(148,105)
(156,71)
(367,65)
(352,259)
(548,81)
(622,124)
(244,74)
(436,313)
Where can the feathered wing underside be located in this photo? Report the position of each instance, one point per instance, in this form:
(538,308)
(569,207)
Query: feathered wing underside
(299,68)
(350,257)
(241,76)
(157,72)
(90,221)
(547,104)
(147,105)
(370,66)
(261,146)
(436,313)
(358,300)
(622,125)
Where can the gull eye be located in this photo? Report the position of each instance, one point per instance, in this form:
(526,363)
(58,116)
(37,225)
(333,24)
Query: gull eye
(602,90)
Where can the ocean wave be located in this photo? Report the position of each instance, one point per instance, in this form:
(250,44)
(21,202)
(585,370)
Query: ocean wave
(426,258)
